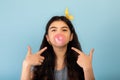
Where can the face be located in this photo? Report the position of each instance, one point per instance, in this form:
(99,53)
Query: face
(59,34)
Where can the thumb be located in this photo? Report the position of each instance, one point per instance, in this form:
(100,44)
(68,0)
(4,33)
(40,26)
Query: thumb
(91,53)
(29,50)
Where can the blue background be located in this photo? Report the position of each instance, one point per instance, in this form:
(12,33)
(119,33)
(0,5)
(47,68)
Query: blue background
(97,23)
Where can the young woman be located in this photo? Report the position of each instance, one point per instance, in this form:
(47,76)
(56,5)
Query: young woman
(60,56)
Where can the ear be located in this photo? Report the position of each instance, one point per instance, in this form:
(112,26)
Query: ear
(47,37)
(71,37)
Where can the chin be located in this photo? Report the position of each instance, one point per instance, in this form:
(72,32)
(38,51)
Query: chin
(60,45)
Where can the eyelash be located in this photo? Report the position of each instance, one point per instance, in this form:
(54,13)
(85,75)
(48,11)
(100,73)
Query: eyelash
(55,30)
(64,30)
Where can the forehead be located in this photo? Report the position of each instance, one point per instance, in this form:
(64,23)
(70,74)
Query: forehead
(58,24)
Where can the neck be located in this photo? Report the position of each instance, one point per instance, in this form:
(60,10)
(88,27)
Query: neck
(60,52)
(60,56)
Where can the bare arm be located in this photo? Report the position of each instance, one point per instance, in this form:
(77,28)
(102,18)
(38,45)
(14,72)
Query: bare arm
(26,71)
(31,60)
(85,61)
(88,73)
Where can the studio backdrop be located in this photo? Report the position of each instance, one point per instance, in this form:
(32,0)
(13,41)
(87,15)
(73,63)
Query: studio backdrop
(97,23)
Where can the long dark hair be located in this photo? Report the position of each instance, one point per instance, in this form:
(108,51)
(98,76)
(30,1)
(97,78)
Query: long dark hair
(46,70)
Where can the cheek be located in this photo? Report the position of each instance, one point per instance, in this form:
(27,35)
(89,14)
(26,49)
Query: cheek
(50,35)
(51,38)
(68,37)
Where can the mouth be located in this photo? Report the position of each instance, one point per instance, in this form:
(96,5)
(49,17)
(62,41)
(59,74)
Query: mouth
(59,38)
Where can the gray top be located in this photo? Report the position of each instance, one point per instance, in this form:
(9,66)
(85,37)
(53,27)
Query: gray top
(61,74)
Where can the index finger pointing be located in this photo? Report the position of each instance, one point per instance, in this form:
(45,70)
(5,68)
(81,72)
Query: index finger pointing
(29,50)
(42,50)
(76,50)
(91,53)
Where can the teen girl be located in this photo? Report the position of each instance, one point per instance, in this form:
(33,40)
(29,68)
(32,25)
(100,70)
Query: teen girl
(60,56)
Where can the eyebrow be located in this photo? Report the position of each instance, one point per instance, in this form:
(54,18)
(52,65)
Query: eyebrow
(53,27)
(64,27)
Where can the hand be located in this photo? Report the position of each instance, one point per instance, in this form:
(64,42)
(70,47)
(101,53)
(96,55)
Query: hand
(85,61)
(34,59)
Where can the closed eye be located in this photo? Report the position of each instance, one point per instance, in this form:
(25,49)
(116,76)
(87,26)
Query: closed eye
(64,29)
(53,30)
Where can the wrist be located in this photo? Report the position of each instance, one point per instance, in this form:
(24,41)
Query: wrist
(26,64)
(87,68)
